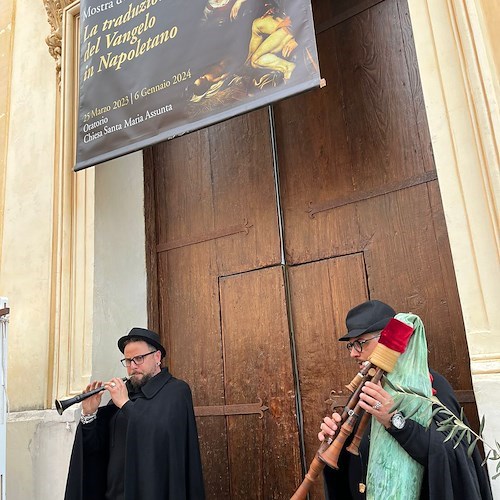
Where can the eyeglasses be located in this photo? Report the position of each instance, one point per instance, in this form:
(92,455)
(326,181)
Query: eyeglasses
(358,344)
(138,360)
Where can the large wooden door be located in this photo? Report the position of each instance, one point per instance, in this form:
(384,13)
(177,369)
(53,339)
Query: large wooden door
(255,256)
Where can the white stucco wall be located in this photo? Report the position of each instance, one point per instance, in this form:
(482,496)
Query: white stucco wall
(120,295)
(27,235)
(37,441)
(38,448)
(27,249)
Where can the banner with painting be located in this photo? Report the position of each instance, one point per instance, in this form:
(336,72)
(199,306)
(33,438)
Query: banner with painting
(152,70)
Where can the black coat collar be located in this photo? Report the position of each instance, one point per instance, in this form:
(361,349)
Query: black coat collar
(151,388)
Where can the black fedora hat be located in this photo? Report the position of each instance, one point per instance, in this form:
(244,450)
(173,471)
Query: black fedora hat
(370,316)
(142,334)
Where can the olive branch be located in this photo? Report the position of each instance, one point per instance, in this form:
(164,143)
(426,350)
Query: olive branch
(454,427)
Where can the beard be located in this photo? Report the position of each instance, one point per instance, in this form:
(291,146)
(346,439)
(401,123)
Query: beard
(137,383)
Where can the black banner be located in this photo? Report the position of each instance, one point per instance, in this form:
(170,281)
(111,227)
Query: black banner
(154,69)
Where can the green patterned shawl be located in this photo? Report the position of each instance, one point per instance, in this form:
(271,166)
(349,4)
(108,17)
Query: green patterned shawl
(392,474)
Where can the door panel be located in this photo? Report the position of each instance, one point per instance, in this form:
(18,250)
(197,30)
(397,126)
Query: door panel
(366,134)
(264,453)
(218,185)
(191,332)
(321,293)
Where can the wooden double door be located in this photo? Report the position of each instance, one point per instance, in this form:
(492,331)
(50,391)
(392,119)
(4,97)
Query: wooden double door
(264,230)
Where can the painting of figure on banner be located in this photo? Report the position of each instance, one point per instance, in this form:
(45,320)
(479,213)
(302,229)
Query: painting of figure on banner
(264,52)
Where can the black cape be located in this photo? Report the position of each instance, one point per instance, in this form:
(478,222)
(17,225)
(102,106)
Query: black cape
(162,459)
(449,472)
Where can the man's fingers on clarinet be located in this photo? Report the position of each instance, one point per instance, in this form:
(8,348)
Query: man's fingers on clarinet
(93,385)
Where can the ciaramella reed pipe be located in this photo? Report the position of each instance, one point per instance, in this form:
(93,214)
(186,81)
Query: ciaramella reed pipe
(62,405)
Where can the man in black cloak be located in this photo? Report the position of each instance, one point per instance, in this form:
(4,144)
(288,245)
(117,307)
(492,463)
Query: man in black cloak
(449,473)
(143,445)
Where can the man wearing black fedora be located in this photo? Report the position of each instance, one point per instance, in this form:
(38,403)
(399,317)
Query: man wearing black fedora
(449,473)
(143,444)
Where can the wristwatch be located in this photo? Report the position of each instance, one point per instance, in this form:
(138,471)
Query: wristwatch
(398,420)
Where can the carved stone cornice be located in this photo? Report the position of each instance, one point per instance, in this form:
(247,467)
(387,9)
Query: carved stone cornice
(54,9)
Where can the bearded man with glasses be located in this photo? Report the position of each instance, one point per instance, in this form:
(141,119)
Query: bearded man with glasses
(144,443)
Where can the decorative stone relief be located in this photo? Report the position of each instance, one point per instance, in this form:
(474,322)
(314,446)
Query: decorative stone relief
(54,9)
